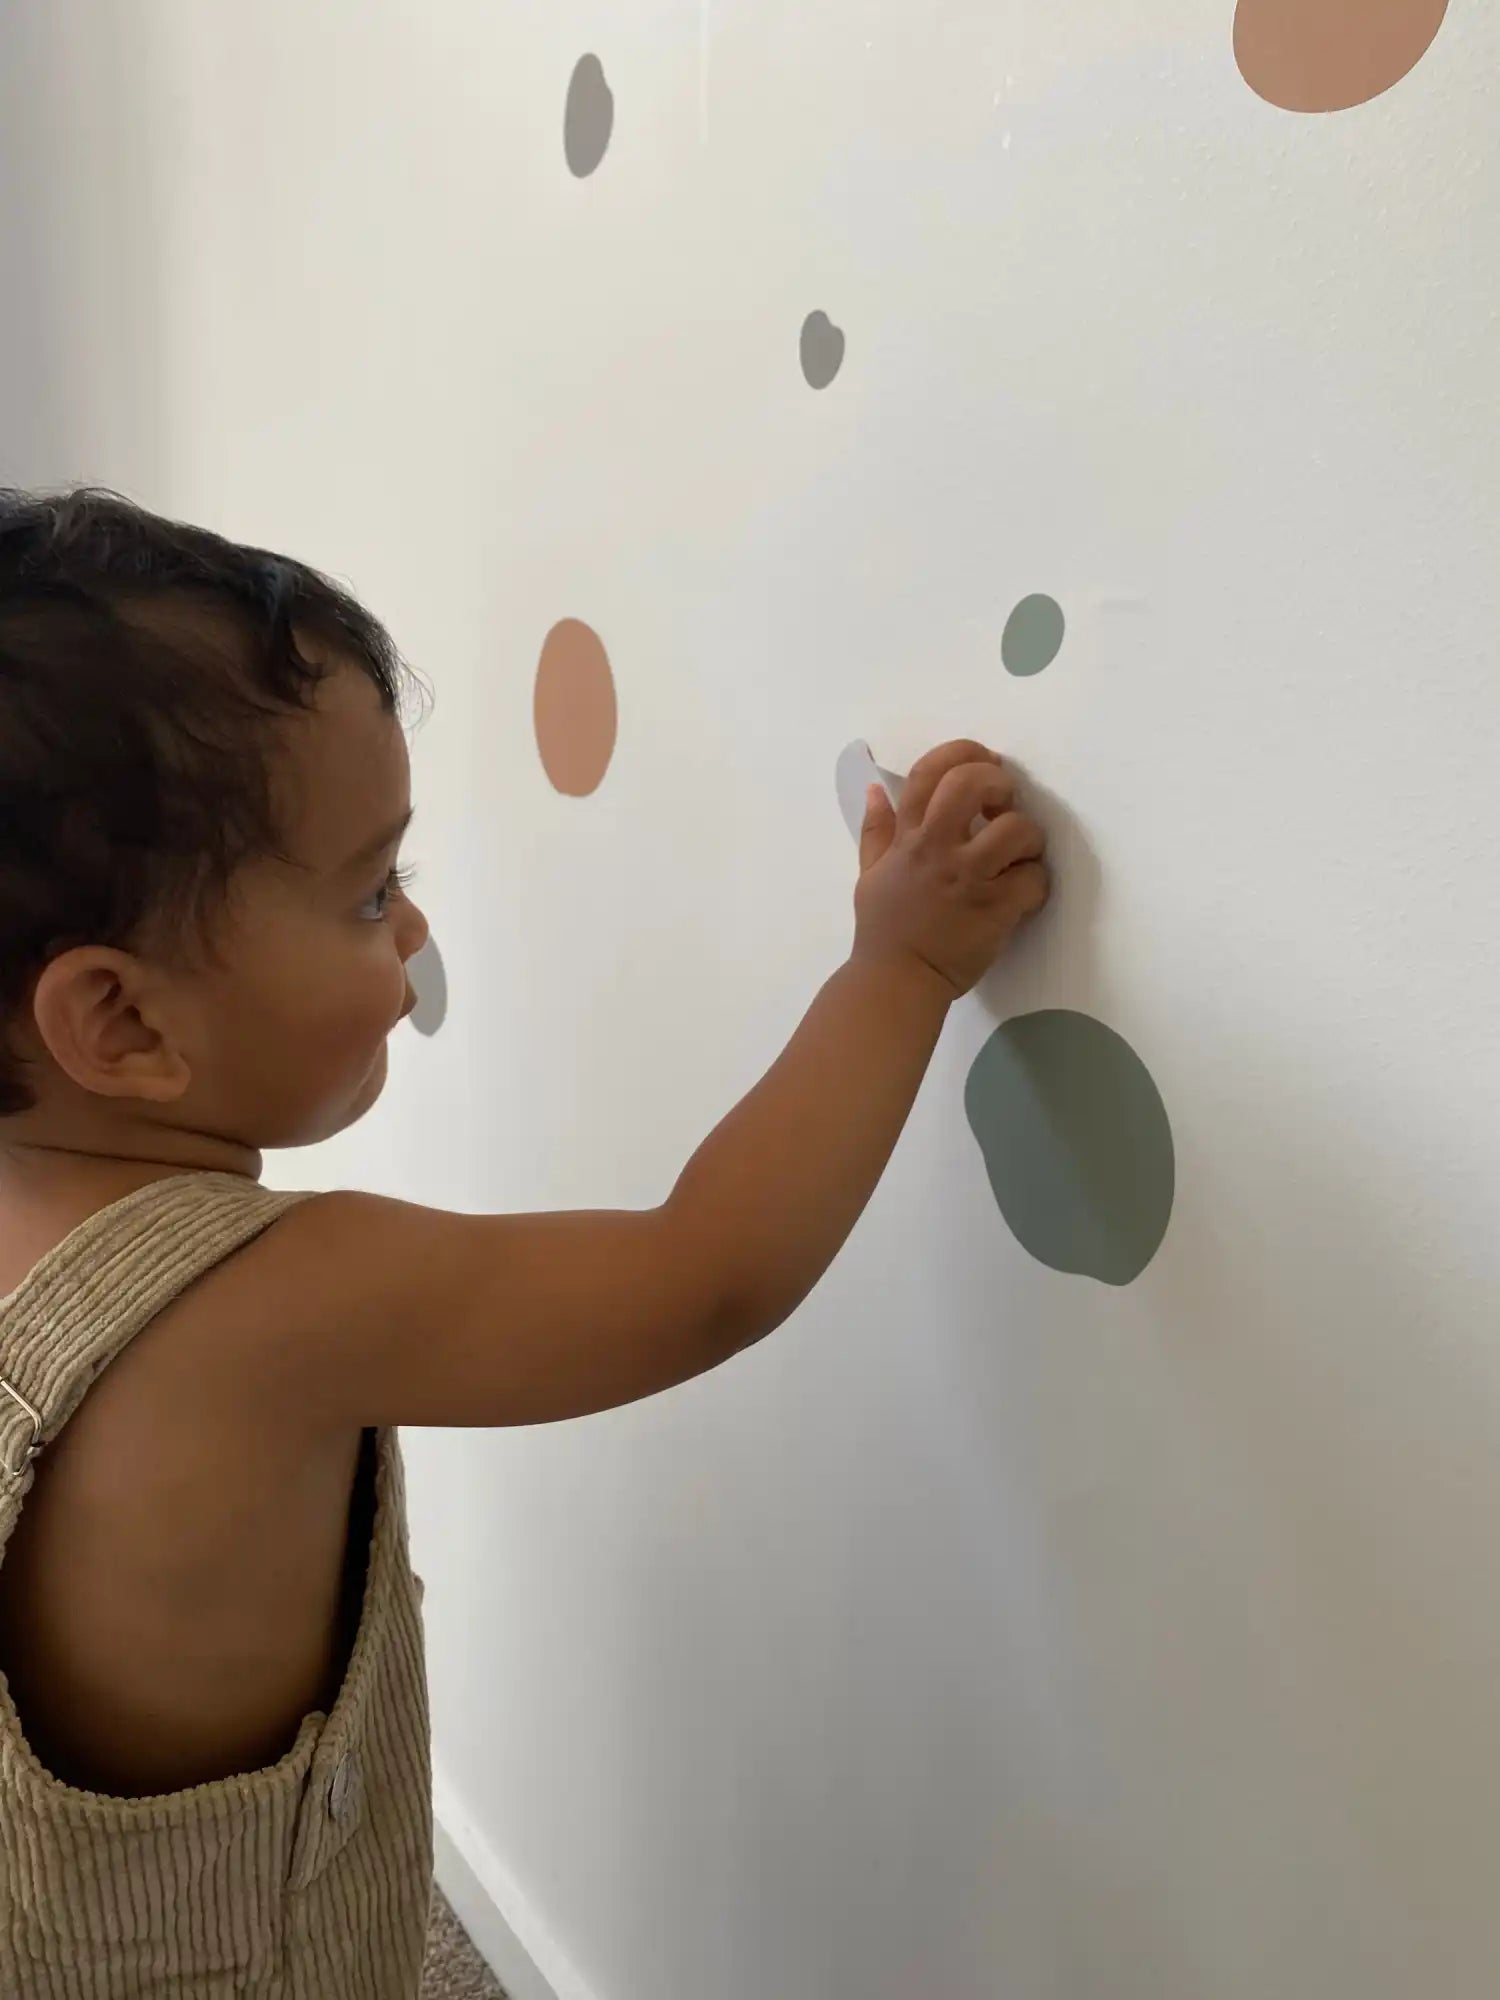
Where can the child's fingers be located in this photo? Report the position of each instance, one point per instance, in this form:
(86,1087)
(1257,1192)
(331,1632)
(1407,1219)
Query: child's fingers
(962,796)
(1004,841)
(1026,887)
(928,773)
(879,828)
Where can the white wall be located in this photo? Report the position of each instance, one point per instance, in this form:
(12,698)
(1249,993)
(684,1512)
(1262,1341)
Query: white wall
(988,1631)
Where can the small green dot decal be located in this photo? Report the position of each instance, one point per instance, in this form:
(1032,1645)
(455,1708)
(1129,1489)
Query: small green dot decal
(1033,635)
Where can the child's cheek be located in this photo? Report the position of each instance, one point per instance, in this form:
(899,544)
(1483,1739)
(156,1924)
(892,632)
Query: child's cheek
(381,1001)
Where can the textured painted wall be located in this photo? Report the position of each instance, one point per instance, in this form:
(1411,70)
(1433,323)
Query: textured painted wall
(995,1629)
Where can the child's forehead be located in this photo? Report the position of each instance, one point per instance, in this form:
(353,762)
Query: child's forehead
(344,773)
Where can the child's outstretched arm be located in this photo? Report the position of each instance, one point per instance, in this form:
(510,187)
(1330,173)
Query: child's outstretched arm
(419,1316)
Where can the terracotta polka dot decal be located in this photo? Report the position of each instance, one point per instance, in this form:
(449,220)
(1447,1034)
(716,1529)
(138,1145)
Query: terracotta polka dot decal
(588,117)
(1076,1143)
(1328,55)
(574,708)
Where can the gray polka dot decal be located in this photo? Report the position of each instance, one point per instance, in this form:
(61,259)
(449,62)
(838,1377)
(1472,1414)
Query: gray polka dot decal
(589,117)
(429,981)
(1033,635)
(1076,1142)
(822,349)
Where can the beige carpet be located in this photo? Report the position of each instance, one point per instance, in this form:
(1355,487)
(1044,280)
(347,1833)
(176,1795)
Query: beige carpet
(454,1970)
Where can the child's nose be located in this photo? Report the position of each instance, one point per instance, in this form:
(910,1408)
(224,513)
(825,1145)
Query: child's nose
(414,931)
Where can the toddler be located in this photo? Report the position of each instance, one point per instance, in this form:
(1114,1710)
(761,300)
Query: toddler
(213,1725)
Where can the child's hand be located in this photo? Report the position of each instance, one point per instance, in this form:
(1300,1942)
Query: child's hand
(933,890)
(409,1316)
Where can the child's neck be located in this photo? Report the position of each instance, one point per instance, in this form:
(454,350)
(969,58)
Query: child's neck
(48,1153)
(49,1183)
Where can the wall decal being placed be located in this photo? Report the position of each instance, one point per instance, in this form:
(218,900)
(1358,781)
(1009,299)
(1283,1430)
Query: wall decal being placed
(1076,1142)
(429,981)
(588,118)
(1328,55)
(1033,635)
(574,708)
(853,776)
(822,349)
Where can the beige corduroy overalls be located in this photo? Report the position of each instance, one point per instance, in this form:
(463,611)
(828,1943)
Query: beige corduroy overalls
(309,1880)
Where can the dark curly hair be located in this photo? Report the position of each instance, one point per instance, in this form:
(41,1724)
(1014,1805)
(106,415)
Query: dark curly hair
(144,665)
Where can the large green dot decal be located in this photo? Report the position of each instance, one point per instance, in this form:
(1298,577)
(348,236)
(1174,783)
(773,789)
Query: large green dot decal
(1033,635)
(1076,1142)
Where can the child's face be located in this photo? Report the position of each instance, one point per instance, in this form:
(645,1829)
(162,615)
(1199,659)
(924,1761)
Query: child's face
(285,1033)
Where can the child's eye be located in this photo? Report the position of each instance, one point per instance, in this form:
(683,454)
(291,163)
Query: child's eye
(395,884)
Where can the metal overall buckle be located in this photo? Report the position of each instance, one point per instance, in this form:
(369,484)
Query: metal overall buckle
(33,1445)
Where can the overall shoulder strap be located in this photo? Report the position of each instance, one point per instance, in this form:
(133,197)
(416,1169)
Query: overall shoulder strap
(94,1292)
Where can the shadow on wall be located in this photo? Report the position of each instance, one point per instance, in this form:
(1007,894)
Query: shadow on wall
(32,410)
(80,249)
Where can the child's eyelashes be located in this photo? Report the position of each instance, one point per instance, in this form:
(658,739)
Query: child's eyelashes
(396,883)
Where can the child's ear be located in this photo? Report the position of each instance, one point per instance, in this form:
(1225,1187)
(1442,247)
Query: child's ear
(98,1021)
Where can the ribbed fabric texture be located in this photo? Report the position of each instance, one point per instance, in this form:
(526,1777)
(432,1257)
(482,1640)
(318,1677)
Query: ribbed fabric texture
(310,1880)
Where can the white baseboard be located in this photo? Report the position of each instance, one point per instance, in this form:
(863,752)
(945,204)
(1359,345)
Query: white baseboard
(511,1939)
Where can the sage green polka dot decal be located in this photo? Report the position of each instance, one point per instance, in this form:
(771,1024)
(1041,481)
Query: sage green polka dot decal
(1033,635)
(589,117)
(1076,1142)
(429,981)
(822,350)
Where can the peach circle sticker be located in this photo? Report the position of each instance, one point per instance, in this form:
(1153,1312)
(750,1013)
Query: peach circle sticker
(574,708)
(1329,55)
